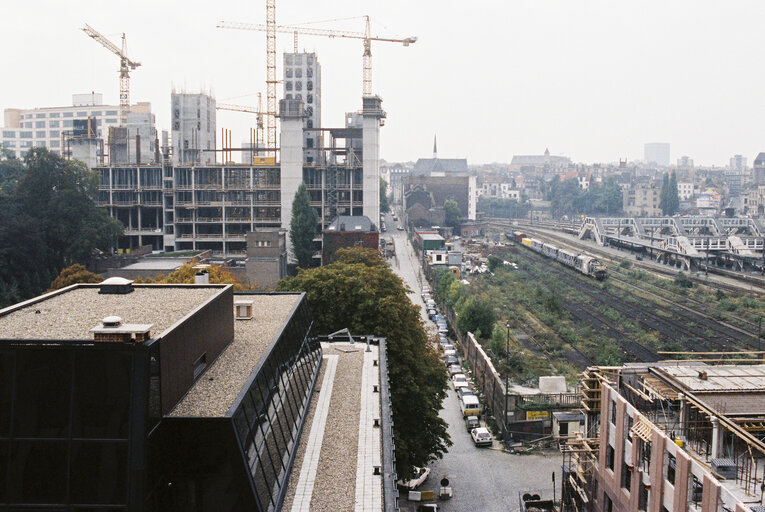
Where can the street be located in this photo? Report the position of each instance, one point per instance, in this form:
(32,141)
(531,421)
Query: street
(483,479)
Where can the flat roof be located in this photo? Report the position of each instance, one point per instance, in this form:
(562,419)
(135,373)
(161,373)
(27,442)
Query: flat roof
(334,465)
(72,312)
(722,378)
(429,236)
(214,393)
(157,264)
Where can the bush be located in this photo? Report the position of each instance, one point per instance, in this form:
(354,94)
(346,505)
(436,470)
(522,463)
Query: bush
(683,281)
(625,264)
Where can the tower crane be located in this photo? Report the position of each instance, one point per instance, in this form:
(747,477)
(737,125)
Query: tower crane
(365,36)
(125,66)
(250,110)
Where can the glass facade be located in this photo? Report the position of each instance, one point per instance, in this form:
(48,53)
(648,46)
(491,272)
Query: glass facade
(65,416)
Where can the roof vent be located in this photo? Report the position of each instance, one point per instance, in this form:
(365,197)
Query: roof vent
(202,274)
(115,286)
(112,330)
(243,309)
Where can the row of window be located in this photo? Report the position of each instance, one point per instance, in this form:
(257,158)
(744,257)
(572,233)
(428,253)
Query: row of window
(38,134)
(298,85)
(67,123)
(298,96)
(54,115)
(298,72)
(297,59)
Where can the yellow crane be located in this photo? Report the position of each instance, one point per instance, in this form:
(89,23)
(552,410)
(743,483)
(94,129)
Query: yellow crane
(366,38)
(125,66)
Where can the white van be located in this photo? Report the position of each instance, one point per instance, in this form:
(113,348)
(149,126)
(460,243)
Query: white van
(470,406)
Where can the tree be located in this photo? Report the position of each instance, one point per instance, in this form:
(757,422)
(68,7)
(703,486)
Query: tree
(74,274)
(49,220)
(360,291)
(477,316)
(303,227)
(673,198)
(453,213)
(664,195)
(384,206)
(186,275)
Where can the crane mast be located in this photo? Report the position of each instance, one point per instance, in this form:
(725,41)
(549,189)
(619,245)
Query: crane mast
(271,73)
(125,66)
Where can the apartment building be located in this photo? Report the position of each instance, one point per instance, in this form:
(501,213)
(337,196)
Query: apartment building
(642,200)
(302,81)
(667,438)
(193,118)
(48,126)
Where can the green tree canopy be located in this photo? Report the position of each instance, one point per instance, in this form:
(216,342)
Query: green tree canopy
(453,213)
(360,291)
(303,227)
(75,274)
(477,316)
(49,221)
(384,206)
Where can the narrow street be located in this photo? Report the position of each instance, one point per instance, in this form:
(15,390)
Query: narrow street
(483,479)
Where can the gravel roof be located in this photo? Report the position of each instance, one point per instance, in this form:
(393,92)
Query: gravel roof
(335,483)
(72,314)
(214,393)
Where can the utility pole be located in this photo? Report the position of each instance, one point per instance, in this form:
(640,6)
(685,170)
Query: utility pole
(759,335)
(507,389)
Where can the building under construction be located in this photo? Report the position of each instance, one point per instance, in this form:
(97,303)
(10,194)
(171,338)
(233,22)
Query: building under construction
(175,207)
(668,437)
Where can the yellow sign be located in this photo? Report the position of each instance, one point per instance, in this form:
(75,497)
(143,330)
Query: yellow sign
(537,415)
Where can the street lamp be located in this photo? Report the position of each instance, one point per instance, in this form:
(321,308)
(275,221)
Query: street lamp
(507,375)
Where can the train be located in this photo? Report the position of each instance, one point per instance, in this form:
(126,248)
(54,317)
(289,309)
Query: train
(583,263)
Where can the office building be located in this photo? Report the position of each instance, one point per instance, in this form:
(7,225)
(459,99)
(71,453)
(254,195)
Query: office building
(48,127)
(193,128)
(186,398)
(302,81)
(738,162)
(656,153)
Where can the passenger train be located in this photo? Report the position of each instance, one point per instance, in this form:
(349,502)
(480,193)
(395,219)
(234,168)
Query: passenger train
(584,263)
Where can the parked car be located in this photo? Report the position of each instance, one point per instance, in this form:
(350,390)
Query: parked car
(481,436)
(448,346)
(464,391)
(400,228)
(420,475)
(460,381)
(454,368)
(451,360)
(431,313)
(450,352)
(442,328)
(472,422)
(470,406)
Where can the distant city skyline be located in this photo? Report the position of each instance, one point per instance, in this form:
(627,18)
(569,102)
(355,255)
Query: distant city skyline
(592,80)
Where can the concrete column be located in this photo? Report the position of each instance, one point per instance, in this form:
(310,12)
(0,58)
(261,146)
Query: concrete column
(683,414)
(715,438)
(291,163)
(373,114)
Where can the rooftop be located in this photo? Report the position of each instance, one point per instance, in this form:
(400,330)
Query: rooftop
(346,223)
(340,447)
(215,392)
(70,313)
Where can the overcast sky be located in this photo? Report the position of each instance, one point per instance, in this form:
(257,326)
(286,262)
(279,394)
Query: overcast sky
(593,80)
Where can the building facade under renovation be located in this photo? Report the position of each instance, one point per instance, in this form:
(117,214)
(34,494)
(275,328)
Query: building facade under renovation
(193,128)
(668,437)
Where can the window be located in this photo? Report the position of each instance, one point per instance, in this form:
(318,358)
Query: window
(40,134)
(309,72)
(309,85)
(9,135)
(298,96)
(82,114)
(298,72)
(54,114)
(95,113)
(608,505)
(628,421)
(610,457)
(626,477)
(671,463)
(110,120)
(111,112)
(25,144)
(309,111)
(67,123)
(298,59)
(40,144)
(54,124)
(27,125)
(642,497)
(40,115)
(68,114)
(9,144)
(288,59)
(309,98)
(54,133)
(288,73)
(25,135)
(298,85)
(613,412)
(288,96)
(55,144)
(287,86)
(39,124)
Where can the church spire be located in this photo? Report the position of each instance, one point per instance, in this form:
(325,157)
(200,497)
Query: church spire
(435,149)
